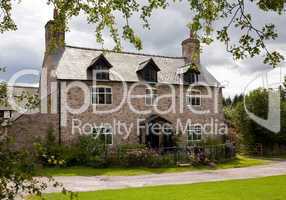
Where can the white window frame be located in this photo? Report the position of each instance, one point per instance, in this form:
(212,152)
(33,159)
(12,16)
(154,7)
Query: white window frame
(103,131)
(94,92)
(190,96)
(151,96)
(194,130)
(100,70)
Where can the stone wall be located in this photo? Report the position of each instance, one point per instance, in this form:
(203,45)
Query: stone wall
(29,128)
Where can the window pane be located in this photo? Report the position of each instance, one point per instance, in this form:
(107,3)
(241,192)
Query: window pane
(101,98)
(102,95)
(195,137)
(154,99)
(105,76)
(198,129)
(148,100)
(108,138)
(101,90)
(198,101)
(99,67)
(193,101)
(108,90)
(154,91)
(102,138)
(194,133)
(148,91)
(98,76)
(190,136)
(108,99)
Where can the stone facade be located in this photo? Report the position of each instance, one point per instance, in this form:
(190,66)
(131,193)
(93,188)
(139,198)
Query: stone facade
(177,116)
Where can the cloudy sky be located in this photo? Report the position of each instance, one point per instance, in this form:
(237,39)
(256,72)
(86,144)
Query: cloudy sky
(24,49)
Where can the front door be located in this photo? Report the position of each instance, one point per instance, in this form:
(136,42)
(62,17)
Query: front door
(159,134)
(153,137)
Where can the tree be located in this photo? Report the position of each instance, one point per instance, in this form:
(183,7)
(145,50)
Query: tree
(103,14)
(227,101)
(250,132)
(17,165)
(237,99)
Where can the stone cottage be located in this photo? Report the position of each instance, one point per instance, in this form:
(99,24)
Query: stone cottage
(124,97)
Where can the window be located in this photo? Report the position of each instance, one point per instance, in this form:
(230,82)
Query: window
(99,68)
(193,98)
(150,97)
(101,95)
(148,71)
(194,133)
(104,134)
(150,75)
(101,73)
(190,77)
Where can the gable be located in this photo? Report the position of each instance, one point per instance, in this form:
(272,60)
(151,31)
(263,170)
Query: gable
(148,71)
(100,61)
(148,64)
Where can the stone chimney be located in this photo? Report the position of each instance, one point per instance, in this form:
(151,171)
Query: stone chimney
(55,37)
(191,50)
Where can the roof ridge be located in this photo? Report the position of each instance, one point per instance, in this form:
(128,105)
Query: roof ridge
(124,52)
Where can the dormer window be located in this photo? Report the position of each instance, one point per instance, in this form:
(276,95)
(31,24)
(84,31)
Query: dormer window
(99,69)
(148,71)
(188,74)
(191,77)
(101,72)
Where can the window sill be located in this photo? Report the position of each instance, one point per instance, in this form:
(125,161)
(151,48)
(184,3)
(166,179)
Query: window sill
(195,106)
(94,105)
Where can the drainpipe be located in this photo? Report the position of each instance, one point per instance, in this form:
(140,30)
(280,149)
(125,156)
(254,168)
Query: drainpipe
(60,111)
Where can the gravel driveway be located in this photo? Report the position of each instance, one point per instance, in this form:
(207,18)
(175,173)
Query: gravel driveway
(80,183)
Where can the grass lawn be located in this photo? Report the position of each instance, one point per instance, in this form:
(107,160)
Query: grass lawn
(240,161)
(270,188)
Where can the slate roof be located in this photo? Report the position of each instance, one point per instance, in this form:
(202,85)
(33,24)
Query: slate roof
(75,61)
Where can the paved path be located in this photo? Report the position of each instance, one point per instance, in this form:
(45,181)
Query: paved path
(80,184)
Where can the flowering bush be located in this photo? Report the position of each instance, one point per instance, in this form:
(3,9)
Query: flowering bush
(146,157)
(52,156)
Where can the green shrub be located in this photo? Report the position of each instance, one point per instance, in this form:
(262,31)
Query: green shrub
(88,151)
(158,160)
(135,157)
(50,156)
